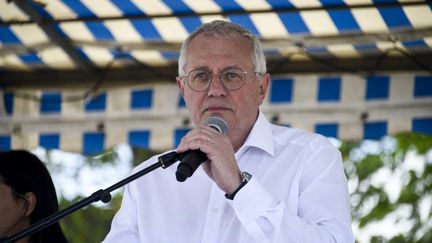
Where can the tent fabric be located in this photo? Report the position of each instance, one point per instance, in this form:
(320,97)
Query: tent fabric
(150,31)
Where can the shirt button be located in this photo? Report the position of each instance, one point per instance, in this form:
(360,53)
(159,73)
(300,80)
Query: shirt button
(215,210)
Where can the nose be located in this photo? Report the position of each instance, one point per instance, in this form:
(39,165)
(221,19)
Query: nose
(216,87)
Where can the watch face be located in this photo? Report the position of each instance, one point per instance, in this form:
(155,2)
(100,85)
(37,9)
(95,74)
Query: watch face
(246,176)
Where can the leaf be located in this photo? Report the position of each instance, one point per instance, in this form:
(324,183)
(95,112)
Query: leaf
(368,165)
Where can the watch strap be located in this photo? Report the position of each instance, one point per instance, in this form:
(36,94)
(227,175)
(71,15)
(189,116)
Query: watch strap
(245,179)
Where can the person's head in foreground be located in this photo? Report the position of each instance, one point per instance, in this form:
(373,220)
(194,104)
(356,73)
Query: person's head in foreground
(27,195)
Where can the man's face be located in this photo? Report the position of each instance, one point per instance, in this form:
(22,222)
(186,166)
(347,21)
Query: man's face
(238,107)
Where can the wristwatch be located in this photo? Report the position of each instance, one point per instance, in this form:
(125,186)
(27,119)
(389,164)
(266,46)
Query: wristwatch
(246,177)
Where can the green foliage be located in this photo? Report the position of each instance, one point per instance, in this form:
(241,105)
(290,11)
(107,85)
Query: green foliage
(416,185)
(90,224)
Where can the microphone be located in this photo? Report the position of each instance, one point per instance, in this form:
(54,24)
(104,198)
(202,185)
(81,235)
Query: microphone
(190,160)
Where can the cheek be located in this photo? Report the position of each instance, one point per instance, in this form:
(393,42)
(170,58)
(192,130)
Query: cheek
(10,214)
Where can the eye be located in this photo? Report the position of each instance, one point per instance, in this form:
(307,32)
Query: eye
(199,76)
(232,76)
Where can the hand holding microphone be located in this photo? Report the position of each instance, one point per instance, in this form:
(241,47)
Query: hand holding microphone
(191,159)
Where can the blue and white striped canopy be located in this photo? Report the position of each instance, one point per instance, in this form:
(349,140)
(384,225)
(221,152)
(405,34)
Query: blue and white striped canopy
(71,34)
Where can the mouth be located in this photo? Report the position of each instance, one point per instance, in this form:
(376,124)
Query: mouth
(216,109)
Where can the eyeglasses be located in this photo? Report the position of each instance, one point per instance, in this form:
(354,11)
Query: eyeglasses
(199,80)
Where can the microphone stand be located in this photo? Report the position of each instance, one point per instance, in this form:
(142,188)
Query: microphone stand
(103,195)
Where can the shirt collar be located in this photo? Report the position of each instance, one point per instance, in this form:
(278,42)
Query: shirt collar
(261,135)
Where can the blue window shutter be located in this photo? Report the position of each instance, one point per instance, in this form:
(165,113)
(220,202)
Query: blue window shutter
(377,87)
(329,89)
(179,134)
(93,143)
(5,143)
(281,91)
(142,99)
(423,86)
(98,103)
(374,130)
(327,129)
(49,141)
(422,125)
(139,138)
(50,102)
(181,102)
(8,100)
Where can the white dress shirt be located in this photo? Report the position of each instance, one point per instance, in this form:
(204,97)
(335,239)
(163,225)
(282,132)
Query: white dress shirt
(298,193)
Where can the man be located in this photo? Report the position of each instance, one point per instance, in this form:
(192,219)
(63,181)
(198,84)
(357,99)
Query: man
(261,182)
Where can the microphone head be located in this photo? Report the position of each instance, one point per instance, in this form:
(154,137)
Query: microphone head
(218,124)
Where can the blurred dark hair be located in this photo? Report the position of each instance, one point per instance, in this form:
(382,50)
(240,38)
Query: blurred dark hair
(24,172)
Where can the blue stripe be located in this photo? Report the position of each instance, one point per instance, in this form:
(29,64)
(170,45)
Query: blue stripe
(280,4)
(245,21)
(171,55)
(82,53)
(415,44)
(100,31)
(30,58)
(127,7)
(367,48)
(7,36)
(344,20)
(146,29)
(79,8)
(422,125)
(178,6)
(318,50)
(40,10)
(326,3)
(228,5)
(294,23)
(122,55)
(191,23)
(394,17)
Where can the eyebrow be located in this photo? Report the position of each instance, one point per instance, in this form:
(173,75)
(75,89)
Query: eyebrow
(206,68)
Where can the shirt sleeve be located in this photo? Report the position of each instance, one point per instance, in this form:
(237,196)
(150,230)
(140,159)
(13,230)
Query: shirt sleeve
(124,226)
(323,210)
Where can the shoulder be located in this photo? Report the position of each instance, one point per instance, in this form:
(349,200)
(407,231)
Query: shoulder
(293,137)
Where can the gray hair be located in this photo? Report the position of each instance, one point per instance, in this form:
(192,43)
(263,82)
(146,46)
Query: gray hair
(221,28)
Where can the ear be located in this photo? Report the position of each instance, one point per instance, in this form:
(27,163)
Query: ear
(180,85)
(30,199)
(265,80)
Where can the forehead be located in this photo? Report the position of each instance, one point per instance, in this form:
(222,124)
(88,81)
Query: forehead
(219,52)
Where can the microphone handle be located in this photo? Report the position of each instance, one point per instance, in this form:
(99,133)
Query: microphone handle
(190,161)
